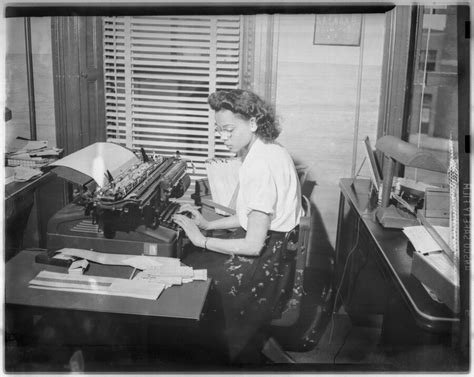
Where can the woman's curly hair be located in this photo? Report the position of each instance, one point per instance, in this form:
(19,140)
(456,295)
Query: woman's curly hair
(248,105)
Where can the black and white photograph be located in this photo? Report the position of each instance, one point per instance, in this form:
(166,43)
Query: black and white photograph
(236,188)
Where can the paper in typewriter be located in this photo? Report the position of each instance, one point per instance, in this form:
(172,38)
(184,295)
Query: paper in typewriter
(223,176)
(95,159)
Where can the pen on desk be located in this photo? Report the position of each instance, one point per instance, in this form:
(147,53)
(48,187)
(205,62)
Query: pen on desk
(133,273)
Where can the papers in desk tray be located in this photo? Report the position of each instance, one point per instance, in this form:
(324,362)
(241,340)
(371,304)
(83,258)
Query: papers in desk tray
(421,240)
(97,285)
(424,243)
(432,267)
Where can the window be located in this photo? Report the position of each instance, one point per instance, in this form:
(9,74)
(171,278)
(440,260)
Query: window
(434,102)
(426,113)
(158,73)
(428,59)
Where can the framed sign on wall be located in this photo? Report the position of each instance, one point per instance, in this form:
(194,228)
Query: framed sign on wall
(337,29)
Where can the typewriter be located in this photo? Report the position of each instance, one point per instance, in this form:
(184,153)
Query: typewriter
(123,203)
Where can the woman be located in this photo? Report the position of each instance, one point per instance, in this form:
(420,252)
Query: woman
(247,268)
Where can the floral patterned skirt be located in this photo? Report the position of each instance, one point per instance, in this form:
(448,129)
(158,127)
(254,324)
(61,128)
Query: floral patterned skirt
(249,288)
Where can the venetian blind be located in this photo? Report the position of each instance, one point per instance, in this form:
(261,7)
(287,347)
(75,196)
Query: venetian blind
(159,72)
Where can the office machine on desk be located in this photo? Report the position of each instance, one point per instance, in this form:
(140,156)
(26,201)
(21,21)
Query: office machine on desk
(124,206)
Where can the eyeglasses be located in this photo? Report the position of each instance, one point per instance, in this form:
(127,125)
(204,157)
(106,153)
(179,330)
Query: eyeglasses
(224,131)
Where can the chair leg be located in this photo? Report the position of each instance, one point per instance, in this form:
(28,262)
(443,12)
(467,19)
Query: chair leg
(273,351)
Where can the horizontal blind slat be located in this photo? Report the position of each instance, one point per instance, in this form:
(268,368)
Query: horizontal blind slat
(170,99)
(170,81)
(119,55)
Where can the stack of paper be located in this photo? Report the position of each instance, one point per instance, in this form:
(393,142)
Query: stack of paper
(24,174)
(32,148)
(223,176)
(31,153)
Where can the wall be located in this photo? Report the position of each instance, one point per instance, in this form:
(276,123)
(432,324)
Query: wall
(16,96)
(316,102)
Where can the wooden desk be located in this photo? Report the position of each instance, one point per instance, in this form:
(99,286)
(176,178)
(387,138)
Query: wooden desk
(13,189)
(378,280)
(176,304)
(99,324)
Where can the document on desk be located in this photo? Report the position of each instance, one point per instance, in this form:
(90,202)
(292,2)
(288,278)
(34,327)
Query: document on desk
(140,262)
(172,275)
(421,239)
(424,243)
(97,285)
(432,267)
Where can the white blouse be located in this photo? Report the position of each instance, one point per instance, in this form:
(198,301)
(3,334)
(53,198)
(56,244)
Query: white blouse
(268,183)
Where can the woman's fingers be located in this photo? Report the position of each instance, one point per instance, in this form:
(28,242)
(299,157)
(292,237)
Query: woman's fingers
(189,227)
(178,219)
(188,207)
(182,220)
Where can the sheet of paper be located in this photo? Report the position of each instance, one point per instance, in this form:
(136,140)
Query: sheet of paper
(172,275)
(166,280)
(441,262)
(32,145)
(421,240)
(95,159)
(97,292)
(94,256)
(78,267)
(443,232)
(200,275)
(143,262)
(47,152)
(23,174)
(24,146)
(140,262)
(182,271)
(22,155)
(223,176)
(97,284)
(57,279)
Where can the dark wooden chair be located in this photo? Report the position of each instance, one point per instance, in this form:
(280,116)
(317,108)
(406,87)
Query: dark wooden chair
(306,309)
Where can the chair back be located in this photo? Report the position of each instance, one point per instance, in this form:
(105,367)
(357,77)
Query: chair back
(297,244)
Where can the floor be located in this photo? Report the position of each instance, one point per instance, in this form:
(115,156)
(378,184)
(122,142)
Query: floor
(349,347)
(342,347)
